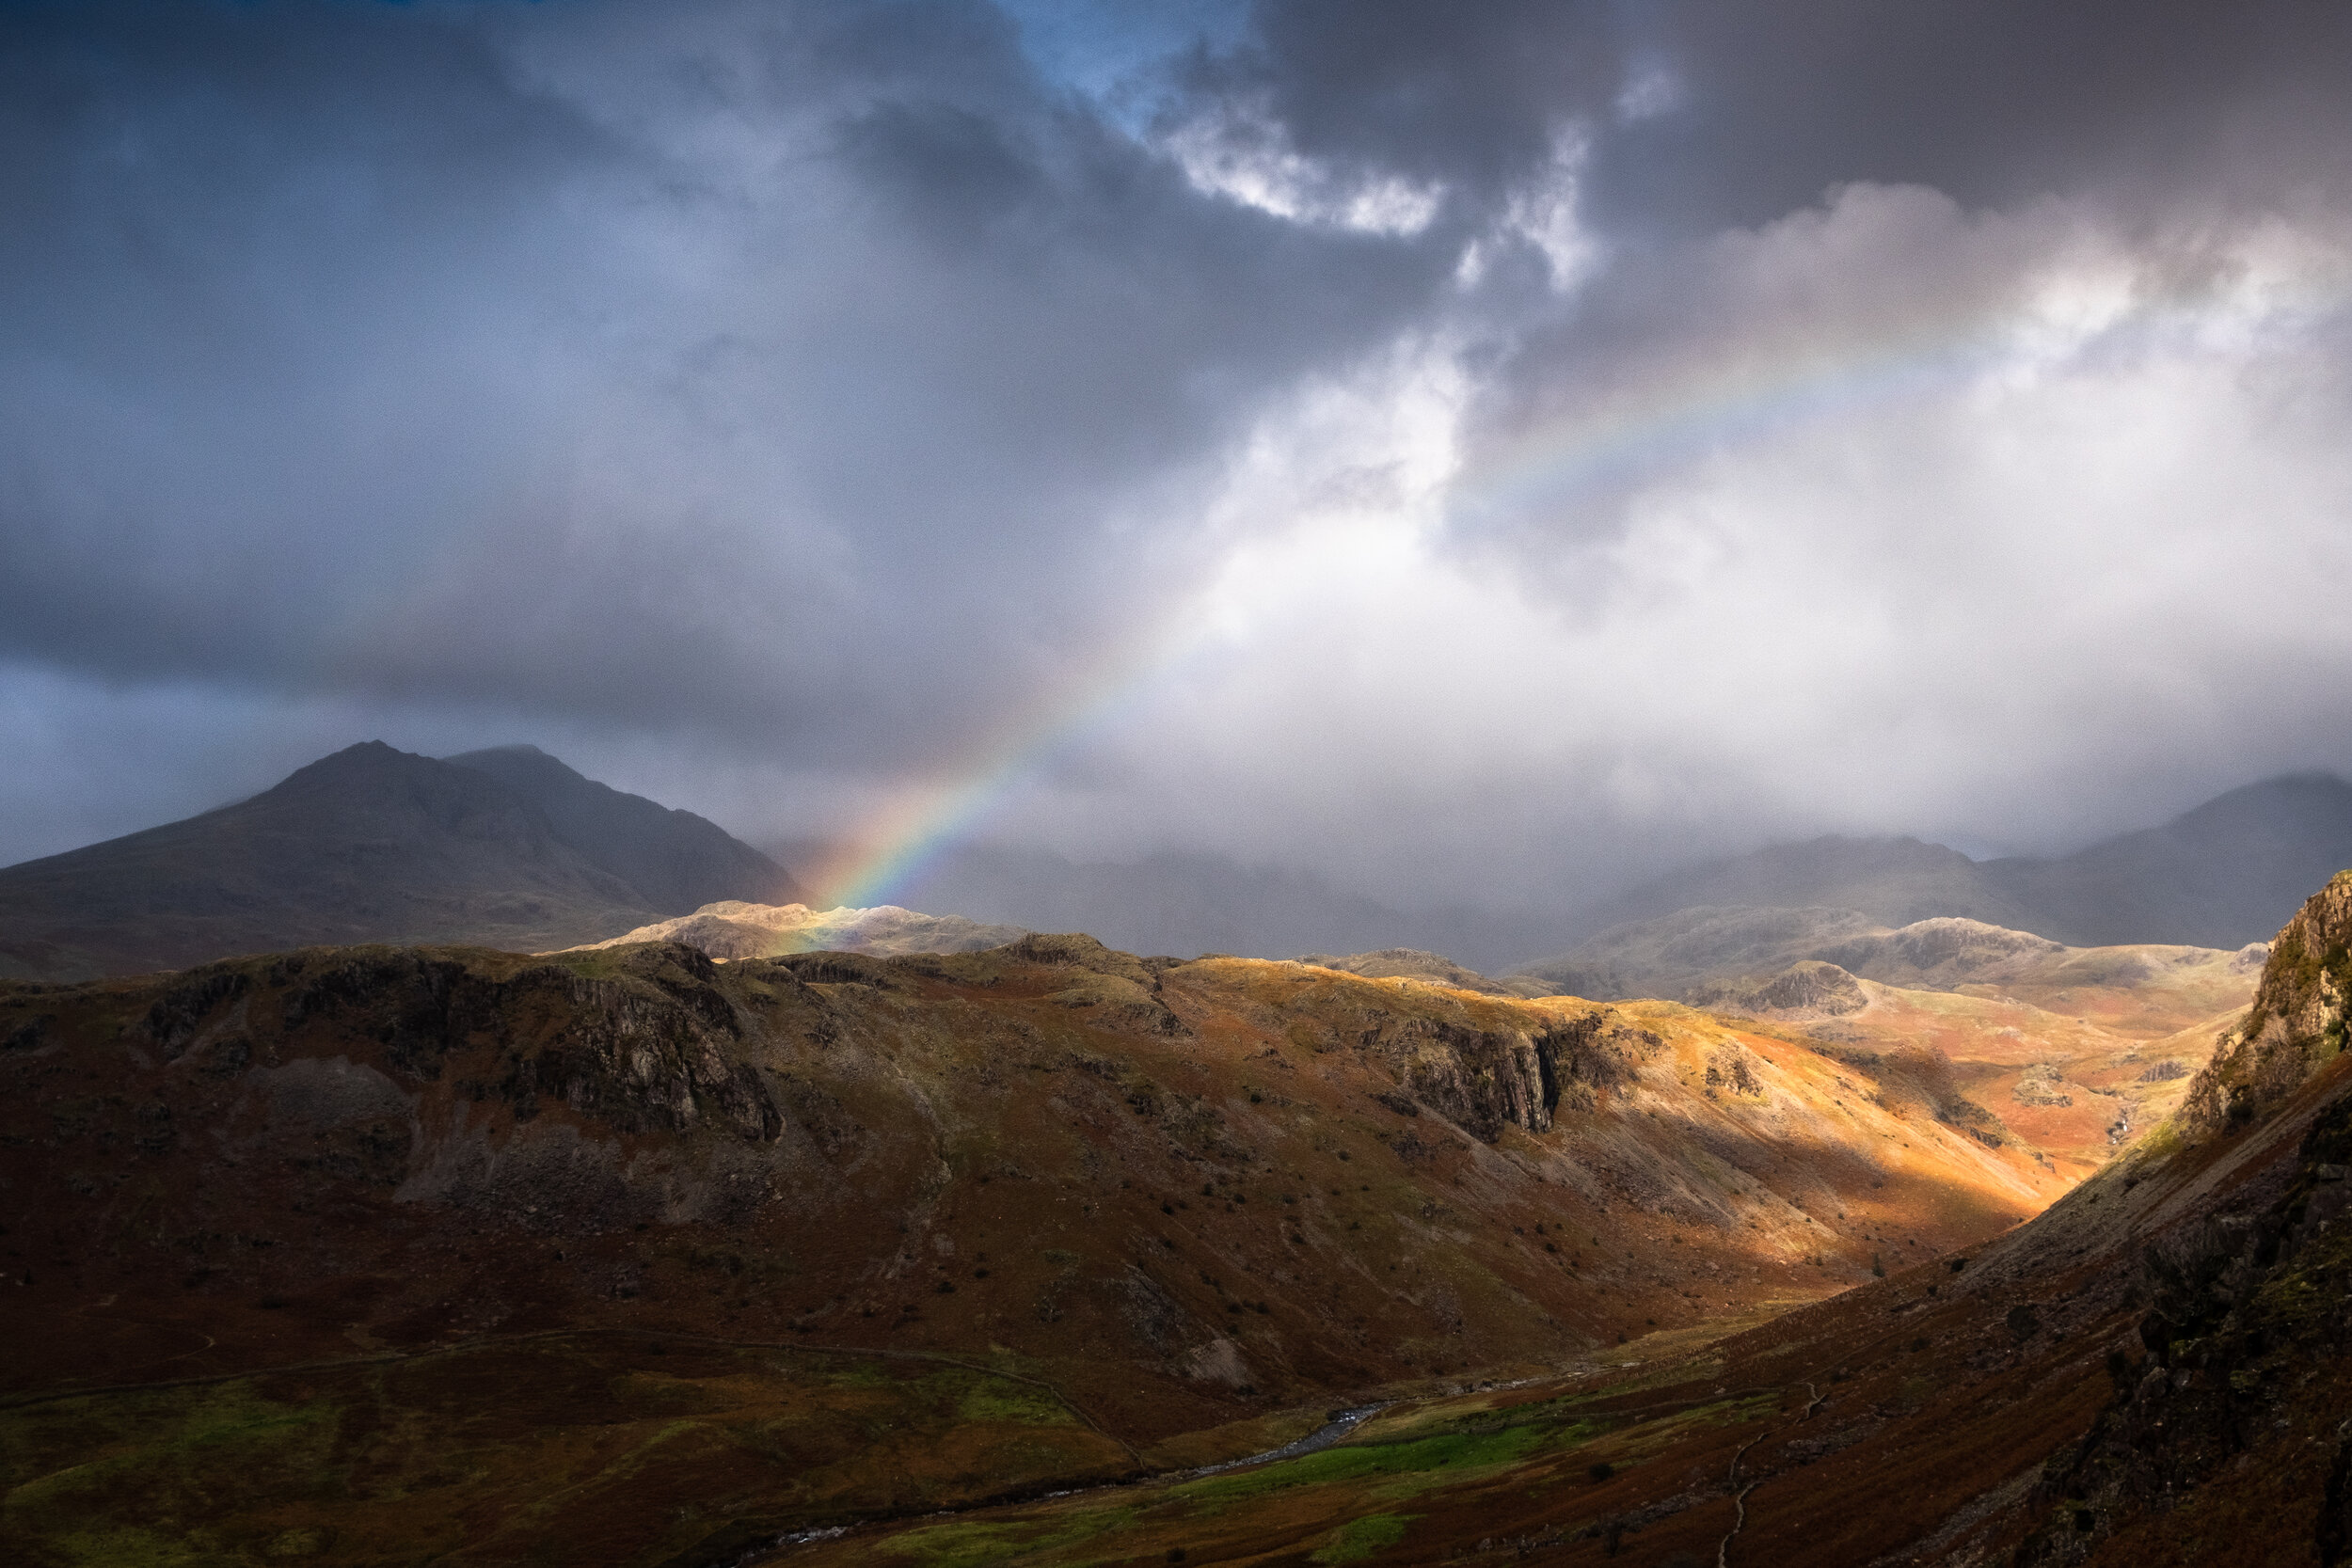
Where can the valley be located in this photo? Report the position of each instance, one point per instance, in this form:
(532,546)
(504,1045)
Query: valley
(755,1232)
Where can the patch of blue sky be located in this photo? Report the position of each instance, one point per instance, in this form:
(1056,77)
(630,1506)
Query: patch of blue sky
(1108,49)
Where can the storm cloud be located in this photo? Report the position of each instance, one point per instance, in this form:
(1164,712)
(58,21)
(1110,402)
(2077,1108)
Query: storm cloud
(1472,452)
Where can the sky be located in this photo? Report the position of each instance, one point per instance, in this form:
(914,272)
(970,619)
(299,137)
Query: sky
(1469,454)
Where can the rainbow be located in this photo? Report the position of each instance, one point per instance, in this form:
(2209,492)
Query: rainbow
(1711,406)
(1543,469)
(907,833)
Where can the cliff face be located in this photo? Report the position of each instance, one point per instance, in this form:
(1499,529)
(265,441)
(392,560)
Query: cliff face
(2295,1025)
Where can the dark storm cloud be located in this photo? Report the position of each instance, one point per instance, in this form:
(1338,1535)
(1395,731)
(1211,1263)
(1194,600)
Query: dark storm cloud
(746,366)
(1469,97)
(1709,114)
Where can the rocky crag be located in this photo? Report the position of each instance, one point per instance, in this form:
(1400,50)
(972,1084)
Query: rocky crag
(2297,1021)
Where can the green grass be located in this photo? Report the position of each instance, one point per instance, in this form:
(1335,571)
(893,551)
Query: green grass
(978,1543)
(1002,1401)
(1436,1460)
(1361,1538)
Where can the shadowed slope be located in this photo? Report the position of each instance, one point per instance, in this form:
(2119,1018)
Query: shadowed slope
(676,861)
(373,844)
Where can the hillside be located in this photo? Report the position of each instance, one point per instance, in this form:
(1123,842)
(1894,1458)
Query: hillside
(2067,1053)
(1415,963)
(983,1258)
(507,849)
(1175,1198)
(2152,1374)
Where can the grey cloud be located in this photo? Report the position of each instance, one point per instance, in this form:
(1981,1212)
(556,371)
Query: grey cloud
(1467,95)
(785,378)
(1767,105)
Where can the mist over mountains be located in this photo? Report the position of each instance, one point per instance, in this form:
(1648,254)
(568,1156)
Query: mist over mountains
(1186,903)
(2223,875)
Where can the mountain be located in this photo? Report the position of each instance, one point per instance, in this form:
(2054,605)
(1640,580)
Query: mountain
(2227,874)
(676,861)
(1891,880)
(505,849)
(2224,875)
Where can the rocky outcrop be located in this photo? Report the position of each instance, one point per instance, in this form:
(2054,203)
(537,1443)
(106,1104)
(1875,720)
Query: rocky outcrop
(1803,990)
(1484,1080)
(2295,1025)
(1944,951)
(655,1046)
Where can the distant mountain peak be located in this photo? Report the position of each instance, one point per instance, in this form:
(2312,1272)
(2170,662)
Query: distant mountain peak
(505,847)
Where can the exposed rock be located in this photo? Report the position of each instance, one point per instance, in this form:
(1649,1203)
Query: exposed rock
(1806,990)
(2038,1085)
(2296,1023)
